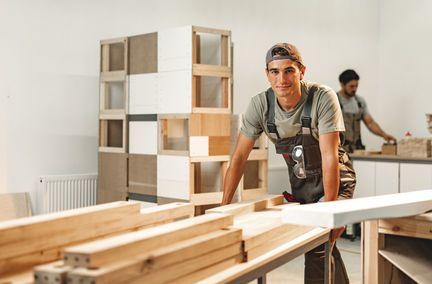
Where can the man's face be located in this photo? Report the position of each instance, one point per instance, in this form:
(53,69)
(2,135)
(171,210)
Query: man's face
(350,88)
(284,77)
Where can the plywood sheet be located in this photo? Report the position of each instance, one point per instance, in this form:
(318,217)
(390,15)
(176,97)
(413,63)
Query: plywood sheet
(112,177)
(143,174)
(143,53)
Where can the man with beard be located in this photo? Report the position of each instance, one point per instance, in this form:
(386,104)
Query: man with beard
(354,110)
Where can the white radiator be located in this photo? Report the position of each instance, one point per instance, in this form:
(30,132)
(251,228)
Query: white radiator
(58,193)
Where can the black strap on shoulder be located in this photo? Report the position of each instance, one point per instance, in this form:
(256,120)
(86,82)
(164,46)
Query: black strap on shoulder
(271,126)
(306,119)
(360,106)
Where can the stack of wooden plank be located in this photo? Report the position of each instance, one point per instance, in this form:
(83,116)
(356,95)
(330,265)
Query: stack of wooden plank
(180,252)
(31,241)
(261,223)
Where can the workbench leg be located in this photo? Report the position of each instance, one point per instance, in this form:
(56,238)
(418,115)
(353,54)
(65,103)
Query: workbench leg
(327,264)
(262,279)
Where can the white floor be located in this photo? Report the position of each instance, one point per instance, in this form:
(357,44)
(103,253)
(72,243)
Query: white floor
(292,272)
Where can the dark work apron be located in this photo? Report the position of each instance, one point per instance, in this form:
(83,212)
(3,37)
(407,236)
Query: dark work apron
(352,121)
(311,188)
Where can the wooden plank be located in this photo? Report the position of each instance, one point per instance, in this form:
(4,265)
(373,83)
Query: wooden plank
(22,277)
(113,76)
(202,159)
(147,217)
(198,29)
(209,145)
(369,252)
(155,260)
(26,235)
(15,205)
(245,207)
(95,254)
(173,272)
(211,110)
(209,124)
(411,227)
(253,193)
(211,70)
(289,250)
(208,271)
(113,40)
(112,177)
(206,198)
(275,239)
(339,213)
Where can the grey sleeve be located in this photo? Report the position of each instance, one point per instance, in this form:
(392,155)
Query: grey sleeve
(252,119)
(330,118)
(364,104)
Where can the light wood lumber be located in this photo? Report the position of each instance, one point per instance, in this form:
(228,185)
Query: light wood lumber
(245,207)
(171,273)
(211,70)
(339,213)
(206,198)
(131,220)
(95,254)
(26,235)
(208,271)
(198,29)
(211,110)
(113,76)
(159,258)
(275,239)
(290,249)
(411,227)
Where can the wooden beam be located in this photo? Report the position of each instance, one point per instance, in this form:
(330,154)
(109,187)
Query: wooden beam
(198,29)
(98,253)
(245,207)
(27,235)
(159,258)
(211,70)
(206,198)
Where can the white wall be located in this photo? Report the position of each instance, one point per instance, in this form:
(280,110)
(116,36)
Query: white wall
(49,54)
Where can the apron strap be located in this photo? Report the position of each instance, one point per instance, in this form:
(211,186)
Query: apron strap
(270,114)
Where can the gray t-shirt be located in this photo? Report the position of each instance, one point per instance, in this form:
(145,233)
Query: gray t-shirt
(326,114)
(350,105)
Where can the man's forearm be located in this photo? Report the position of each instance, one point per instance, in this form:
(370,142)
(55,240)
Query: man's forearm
(330,167)
(232,179)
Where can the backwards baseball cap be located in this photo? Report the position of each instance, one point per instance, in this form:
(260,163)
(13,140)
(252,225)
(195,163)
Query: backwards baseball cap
(281,51)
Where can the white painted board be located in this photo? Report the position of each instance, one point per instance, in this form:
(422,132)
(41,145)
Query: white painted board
(143,137)
(175,49)
(175,92)
(342,212)
(143,93)
(365,174)
(173,173)
(198,146)
(387,178)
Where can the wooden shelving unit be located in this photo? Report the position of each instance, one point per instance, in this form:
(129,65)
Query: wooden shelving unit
(397,250)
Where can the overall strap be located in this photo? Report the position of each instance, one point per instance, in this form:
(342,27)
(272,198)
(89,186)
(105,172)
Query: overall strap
(306,119)
(270,114)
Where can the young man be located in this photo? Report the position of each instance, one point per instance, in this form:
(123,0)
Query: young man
(354,110)
(303,120)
